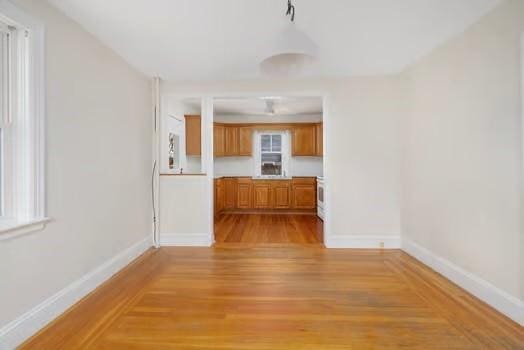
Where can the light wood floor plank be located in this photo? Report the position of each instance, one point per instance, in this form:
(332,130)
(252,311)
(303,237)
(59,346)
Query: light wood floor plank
(278,296)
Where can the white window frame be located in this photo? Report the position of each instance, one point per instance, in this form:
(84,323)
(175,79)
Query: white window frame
(24,152)
(285,152)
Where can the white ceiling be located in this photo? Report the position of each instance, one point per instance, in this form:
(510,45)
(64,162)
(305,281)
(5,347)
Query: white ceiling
(287,106)
(225,39)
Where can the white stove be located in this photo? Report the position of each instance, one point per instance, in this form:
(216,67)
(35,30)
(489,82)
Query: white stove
(320,197)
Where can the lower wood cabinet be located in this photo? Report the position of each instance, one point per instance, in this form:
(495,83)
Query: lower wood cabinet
(304,193)
(230,185)
(220,195)
(244,193)
(261,195)
(281,192)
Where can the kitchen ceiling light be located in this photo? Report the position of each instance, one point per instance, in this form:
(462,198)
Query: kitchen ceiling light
(292,51)
(270,107)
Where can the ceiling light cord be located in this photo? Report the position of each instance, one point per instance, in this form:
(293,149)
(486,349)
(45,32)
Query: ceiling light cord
(290,10)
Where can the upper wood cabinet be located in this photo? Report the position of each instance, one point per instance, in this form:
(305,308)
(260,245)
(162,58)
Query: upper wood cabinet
(319,139)
(304,140)
(219,141)
(193,135)
(245,136)
(237,139)
(231,136)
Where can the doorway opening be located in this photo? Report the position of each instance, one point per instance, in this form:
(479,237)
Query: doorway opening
(268,165)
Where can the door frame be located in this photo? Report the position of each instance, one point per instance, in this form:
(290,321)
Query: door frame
(208,102)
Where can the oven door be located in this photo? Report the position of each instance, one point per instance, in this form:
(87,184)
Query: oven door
(320,194)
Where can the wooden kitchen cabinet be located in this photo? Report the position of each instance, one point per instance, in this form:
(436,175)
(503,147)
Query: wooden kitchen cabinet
(193,135)
(244,193)
(220,196)
(230,185)
(281,192)
(261,195)
(245,141)
(219,140)
(231,141)
(319,139)
(304,140)
(304,193)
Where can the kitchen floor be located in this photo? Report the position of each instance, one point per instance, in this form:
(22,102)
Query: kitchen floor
(268,229)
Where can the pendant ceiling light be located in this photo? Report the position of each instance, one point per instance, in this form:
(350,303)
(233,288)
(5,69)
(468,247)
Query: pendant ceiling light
(292,51)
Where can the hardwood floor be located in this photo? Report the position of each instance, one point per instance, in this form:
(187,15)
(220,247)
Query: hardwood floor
(268,228)
(288,297)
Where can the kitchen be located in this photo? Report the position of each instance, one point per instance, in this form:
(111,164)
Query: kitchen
(261,176)
(268,166)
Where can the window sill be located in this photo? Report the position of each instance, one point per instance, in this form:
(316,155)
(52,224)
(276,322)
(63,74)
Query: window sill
(10,229)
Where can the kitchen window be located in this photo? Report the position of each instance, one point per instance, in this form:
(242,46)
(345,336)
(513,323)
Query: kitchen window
(21,122)
(272,154)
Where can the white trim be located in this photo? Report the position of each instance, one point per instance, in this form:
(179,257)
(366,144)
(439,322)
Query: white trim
(155,163)
(208,116)
(363,241)
(485,291)
(28,154)
(10,230)
(186,240)
(20,329)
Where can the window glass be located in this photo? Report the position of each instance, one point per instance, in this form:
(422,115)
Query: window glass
(276,143)
(271,154)
(266,143)
(271,164)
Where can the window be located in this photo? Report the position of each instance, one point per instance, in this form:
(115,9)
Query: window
(272,153)
(21,121)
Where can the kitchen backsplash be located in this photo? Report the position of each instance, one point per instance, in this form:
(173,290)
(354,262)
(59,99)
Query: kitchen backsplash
(244,166)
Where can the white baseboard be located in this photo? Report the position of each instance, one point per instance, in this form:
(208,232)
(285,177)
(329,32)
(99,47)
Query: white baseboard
(20,329)
(363,242)
(186,240)
(485,291)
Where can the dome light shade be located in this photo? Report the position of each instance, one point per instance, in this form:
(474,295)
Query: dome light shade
(290,54)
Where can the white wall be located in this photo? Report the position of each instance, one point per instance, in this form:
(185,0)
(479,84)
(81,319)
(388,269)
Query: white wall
(462,168)
(362,150)
(305,118)
(172,108)
(98,167)
(245,166)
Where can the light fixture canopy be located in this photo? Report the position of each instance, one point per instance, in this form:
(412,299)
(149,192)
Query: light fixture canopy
(291,52)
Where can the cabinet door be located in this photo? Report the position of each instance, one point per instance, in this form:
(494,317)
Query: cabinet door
(304,140)
(320,139)
(244,194)
(245,135)
(281,194)
(231,141)
(304,196)
(220,198)
(230,185)
(219,140)
(193,135)
(262,195)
